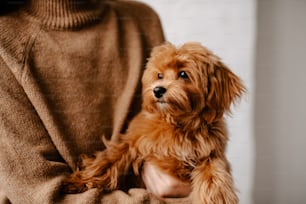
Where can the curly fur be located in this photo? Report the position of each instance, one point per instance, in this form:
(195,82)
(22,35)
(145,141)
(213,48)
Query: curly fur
(182,130)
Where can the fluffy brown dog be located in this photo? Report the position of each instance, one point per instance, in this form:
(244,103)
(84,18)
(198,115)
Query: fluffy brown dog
(181,128)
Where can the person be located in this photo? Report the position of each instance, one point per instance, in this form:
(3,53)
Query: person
(69,73)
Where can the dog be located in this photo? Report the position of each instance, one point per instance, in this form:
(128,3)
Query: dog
(186,92)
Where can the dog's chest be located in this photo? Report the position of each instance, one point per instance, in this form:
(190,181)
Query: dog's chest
(172,150)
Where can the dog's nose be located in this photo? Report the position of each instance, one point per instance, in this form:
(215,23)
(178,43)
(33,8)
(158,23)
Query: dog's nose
(159,91)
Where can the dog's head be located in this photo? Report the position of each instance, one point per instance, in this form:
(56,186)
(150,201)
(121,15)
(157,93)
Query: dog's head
(188,80)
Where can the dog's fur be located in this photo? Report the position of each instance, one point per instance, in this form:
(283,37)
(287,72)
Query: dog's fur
(181,128)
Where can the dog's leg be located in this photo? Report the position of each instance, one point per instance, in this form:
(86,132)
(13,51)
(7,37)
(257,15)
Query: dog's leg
(103,171)
(213,183)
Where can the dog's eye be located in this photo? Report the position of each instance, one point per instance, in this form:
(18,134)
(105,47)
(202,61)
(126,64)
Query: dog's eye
(159,75)
(183,75)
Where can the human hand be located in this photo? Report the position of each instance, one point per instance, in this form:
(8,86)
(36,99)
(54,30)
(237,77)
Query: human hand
(162,184)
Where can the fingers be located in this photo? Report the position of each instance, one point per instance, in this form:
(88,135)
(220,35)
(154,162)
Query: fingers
(162,184)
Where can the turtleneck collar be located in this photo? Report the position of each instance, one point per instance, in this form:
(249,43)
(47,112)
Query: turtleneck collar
(64,14)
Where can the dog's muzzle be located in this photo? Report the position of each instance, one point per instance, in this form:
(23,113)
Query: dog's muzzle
(159,91)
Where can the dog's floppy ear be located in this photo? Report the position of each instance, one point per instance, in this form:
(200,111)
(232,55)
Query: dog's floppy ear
(223,88)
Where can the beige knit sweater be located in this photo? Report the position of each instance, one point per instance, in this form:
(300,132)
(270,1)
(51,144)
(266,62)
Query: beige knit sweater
(69,73)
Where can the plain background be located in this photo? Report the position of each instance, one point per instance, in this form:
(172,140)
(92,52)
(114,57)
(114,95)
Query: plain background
(263,42)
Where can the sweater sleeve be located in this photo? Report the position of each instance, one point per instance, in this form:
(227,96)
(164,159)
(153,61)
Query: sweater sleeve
(31,169)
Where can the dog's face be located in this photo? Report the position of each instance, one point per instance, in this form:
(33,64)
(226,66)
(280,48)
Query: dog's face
(188,80)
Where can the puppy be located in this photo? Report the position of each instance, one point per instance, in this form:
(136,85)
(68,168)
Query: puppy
(180,129)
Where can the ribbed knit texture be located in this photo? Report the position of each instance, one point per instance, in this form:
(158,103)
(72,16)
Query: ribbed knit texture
(69,73)
(65,14)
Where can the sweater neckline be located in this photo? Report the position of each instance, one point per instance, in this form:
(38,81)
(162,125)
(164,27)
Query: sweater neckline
(64,14)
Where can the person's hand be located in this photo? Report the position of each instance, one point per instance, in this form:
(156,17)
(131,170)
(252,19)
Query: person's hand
(162,184)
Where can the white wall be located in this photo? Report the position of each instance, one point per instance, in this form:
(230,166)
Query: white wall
(227,27)
(280,112)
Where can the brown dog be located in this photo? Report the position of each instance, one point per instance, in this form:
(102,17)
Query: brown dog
(181,128)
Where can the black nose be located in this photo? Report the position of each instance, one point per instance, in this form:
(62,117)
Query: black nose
(159,91)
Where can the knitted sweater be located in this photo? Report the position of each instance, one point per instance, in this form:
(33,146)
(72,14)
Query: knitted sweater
(69,73)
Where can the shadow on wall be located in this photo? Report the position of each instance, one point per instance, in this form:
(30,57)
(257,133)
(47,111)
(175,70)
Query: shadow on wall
(280,113)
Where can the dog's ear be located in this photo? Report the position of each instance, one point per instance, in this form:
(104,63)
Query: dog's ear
(223,89)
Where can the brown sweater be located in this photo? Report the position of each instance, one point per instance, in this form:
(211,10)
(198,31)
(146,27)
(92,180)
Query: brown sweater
(69,73)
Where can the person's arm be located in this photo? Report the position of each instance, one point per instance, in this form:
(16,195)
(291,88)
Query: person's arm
(31,168)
